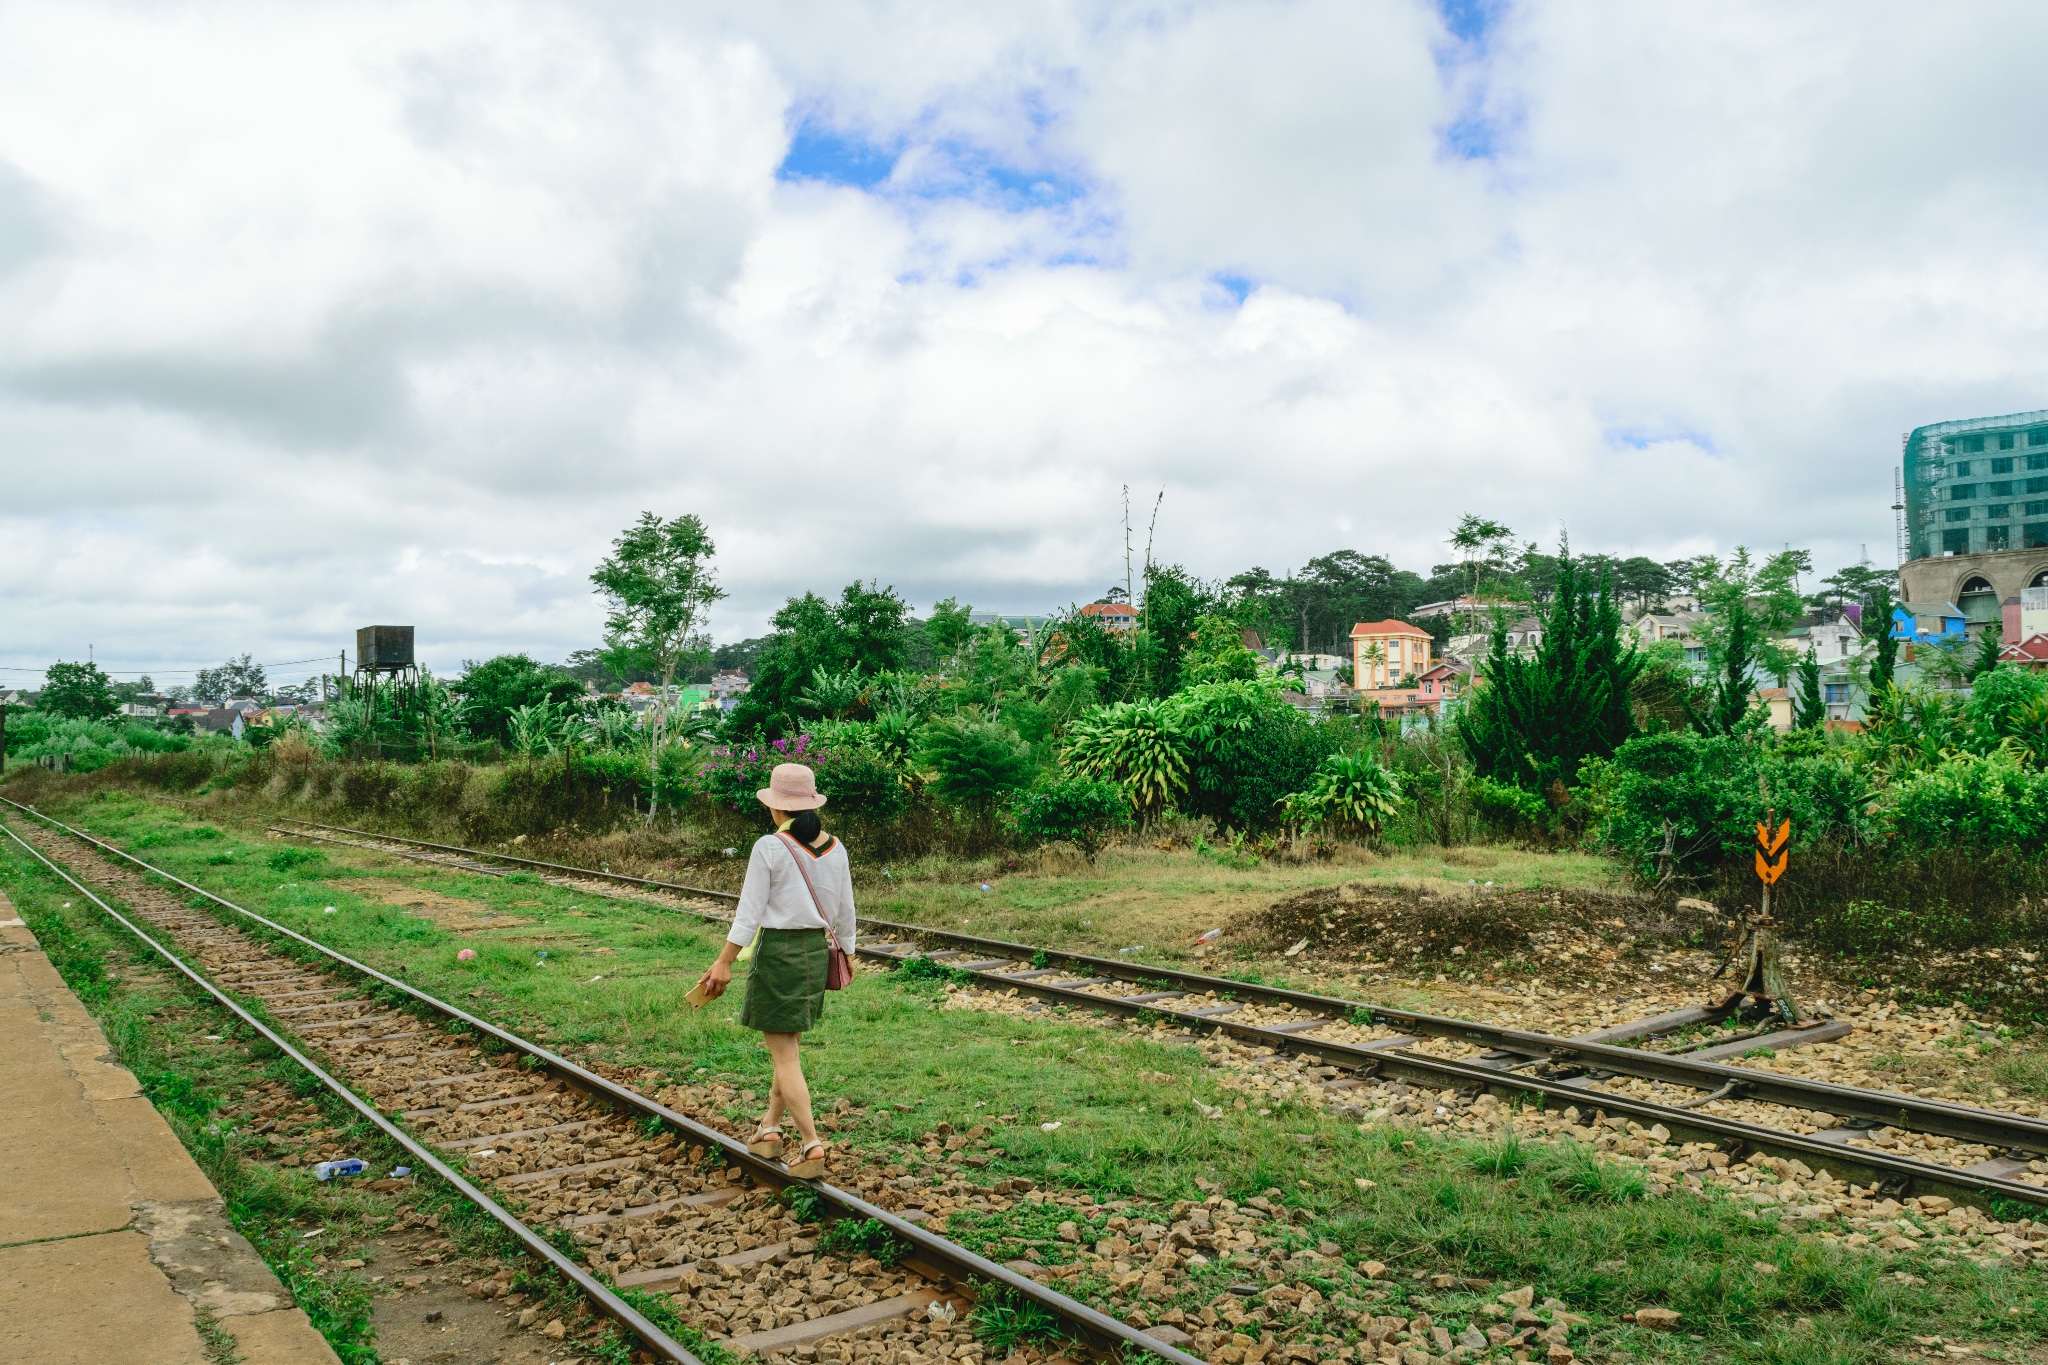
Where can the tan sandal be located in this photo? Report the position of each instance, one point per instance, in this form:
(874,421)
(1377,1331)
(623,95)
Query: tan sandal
(766,1142)
(811,1167)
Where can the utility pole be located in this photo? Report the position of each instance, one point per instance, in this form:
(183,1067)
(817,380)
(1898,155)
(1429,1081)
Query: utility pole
(1127,543)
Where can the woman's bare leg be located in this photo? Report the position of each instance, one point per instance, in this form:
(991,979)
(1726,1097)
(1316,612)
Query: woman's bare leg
(789,1090)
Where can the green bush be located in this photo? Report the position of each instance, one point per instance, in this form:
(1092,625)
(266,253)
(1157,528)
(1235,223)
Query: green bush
(1247,749)
(859,779)
(1082,811)
(624,772)
(1972,801)
(89,745)
(1507,811)
(975,764)
(1706,787)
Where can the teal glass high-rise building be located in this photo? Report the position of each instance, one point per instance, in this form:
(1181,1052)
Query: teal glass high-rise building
(1977,486)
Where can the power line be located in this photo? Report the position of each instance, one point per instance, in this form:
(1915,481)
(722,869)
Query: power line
(168,672)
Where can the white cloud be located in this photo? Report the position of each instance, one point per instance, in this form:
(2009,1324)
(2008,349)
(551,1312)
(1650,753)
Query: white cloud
(355,312)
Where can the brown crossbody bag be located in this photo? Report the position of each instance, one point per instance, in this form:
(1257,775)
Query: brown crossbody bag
(838,962)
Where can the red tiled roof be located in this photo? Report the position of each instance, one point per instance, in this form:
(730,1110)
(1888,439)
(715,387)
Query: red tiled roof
(2032,650)
(1108,609)
(1387,628)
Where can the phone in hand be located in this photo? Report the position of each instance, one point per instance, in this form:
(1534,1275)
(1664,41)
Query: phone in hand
(699,995)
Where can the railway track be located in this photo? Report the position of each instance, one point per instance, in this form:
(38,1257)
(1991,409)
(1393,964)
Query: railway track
(1554,1069)
(506,1121)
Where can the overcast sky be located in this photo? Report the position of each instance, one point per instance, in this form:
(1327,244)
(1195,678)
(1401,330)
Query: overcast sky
(317,316)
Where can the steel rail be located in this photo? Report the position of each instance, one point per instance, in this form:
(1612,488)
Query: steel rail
(1878,1169)
(513,858)
(614,1307)
(1993,1128)
(932,1255)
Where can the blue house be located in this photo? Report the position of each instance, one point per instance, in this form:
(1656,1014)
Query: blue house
(1926,622)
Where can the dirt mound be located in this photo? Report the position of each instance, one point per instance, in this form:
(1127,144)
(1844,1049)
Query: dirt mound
(1380,924)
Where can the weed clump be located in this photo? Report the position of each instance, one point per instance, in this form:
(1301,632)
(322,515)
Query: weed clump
(850,1238)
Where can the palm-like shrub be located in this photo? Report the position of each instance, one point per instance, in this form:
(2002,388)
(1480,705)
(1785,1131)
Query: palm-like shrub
(1352,792)
(1135,745)
(539,727)
(833,695)
(611,727)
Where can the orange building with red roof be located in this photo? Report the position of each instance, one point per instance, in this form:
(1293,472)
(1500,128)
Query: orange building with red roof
(1384,652)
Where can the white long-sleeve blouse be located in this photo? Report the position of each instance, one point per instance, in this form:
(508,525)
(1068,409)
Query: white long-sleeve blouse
(773,896)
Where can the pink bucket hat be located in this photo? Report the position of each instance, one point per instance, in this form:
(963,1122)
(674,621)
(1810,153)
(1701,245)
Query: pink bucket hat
(791,786)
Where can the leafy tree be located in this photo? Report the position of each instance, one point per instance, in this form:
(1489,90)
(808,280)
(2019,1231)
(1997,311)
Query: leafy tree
(1112,658)
(125,693)
(497,687)
(741,656)
(974,764)
(1665,694)
(1218,653)
(77,692)
(949,626)
(1077,810)
(872,621)
(1987,652)
(1810,707)
(997,671)
(1246,749)
(1536,719)
(1483,544)
(1856,584)
(862,633)
(242,677)
(2009,704)
(1643,580)
(1747,603)
(1314,610)
(1175,601)
(1945,659)
(658,583)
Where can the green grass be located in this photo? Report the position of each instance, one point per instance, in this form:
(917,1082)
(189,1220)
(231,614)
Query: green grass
(1553,1215)
(2023,1073)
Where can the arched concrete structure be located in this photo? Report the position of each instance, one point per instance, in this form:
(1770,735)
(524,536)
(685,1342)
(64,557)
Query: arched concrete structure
(1941,578)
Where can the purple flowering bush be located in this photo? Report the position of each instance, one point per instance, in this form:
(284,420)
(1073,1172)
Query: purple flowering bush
(734,772)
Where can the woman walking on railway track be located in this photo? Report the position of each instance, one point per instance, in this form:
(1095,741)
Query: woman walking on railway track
(796,908)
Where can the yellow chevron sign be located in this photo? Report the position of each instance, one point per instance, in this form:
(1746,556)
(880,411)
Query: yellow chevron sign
(1772,855)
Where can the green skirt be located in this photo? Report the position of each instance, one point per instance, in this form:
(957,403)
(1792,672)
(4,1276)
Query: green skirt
(786,985)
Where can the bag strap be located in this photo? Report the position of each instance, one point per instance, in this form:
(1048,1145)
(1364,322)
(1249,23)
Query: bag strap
(796,855)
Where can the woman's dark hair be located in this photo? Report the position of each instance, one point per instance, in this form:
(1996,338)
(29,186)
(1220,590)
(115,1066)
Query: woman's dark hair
(806,826)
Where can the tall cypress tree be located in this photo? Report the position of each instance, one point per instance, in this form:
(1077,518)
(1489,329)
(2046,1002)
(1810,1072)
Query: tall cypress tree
(1533,721)
(1877,626)
(1811,707)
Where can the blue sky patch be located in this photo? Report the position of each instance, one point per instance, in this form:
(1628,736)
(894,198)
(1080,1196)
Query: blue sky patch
(1237,286)
(1643,437)
(820,152)
(1478,130)
(1469,20)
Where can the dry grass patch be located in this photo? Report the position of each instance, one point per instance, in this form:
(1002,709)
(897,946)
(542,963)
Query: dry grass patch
(446,912)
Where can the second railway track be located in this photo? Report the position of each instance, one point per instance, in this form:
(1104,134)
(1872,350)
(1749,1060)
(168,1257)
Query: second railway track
(505,1119)
(1556,1069)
